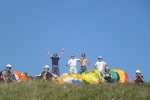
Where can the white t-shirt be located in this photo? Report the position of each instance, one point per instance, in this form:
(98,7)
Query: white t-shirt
(72,62)
(100,65)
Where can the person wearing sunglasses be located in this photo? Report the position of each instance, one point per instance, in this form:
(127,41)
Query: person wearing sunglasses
(100,65)
(73,64)
(55,60)
(138,78)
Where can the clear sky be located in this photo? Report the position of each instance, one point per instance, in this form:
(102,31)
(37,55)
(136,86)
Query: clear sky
(118,30)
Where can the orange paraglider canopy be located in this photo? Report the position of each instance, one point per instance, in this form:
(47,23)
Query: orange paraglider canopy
(23,77)
(17,73)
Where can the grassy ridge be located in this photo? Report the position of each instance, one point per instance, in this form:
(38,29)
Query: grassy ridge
(37,90)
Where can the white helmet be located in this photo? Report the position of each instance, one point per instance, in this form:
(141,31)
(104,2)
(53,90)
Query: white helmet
(137,71)
(100,57)
(8,65)
(46,66)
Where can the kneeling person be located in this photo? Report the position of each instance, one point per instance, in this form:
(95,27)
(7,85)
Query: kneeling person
(6,75)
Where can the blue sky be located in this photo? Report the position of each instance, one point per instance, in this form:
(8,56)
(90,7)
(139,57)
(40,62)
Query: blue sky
(117,30)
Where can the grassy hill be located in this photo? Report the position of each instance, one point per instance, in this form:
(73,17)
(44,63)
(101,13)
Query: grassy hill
(38,90)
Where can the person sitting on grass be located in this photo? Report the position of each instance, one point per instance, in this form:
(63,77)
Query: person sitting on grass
(45,74)
(110,77)
(138,78)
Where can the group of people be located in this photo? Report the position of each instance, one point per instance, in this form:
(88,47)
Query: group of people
(85,63)
(100,65)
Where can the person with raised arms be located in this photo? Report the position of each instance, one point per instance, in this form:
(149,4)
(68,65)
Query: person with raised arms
(72,63)
(55,60)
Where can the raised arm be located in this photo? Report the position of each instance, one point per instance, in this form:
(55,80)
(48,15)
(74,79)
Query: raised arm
(62,53)
(48,53)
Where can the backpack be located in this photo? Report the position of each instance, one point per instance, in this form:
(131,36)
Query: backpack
(1,73)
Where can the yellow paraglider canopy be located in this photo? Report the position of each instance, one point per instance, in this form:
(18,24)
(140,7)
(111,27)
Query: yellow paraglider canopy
(123,75)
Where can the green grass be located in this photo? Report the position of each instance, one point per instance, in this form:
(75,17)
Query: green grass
(38,90)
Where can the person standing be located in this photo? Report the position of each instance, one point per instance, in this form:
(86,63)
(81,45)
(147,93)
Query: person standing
(83,62)
(72,63)
(55,60)
(6,75)
(100,65)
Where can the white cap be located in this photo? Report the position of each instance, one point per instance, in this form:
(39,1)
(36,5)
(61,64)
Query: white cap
(137,71)
(100,57)
(8,65)
(46,66)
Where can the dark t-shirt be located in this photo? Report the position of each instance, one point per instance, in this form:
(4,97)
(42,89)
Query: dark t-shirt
(55,60)
(47,75)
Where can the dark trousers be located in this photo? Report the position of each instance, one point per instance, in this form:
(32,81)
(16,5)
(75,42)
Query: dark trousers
(112,80)
(55,70)
(82,69)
